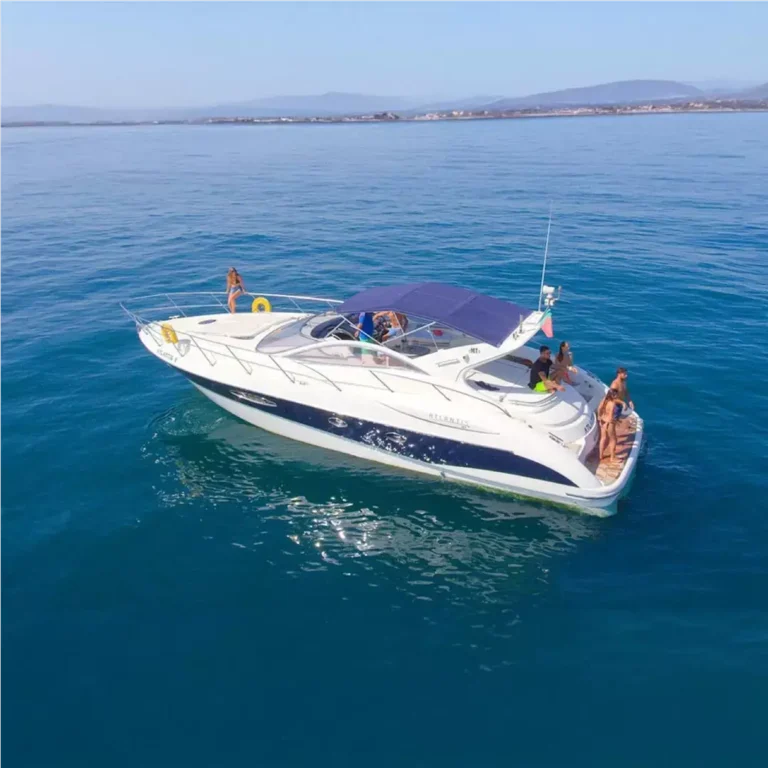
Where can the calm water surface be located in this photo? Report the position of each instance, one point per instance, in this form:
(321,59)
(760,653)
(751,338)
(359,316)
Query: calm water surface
(182,589)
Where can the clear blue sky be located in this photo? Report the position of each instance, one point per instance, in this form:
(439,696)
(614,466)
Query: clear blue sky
(188,54)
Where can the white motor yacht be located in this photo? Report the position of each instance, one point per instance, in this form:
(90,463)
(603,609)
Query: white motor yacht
(442,390)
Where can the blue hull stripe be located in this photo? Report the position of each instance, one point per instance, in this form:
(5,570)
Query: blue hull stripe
(411,445)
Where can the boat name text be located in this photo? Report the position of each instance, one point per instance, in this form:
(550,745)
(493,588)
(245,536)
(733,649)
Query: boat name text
(449,421)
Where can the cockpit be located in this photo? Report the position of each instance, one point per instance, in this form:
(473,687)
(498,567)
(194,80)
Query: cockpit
(409,335)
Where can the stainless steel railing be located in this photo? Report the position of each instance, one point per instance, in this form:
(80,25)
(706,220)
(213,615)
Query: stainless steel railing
(183,302)
(248,360)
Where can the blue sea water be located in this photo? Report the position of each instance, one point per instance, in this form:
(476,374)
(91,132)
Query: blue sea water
(182,589)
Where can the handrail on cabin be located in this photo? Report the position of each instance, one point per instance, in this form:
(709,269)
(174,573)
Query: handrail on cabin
(145,323)
(376,374)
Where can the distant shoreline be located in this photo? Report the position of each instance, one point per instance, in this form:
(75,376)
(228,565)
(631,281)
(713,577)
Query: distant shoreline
(701,107)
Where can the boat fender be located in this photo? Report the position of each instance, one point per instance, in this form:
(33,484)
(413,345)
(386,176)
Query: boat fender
(261,304)
(169,334)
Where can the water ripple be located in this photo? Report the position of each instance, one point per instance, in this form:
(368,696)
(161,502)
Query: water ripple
(477,544)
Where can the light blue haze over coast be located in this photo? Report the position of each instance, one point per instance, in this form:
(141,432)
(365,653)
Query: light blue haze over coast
(193,54)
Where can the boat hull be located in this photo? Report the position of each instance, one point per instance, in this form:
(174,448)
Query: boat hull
(264,416)
(410,412)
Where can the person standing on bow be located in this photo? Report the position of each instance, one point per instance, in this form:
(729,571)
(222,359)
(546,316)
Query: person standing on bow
(235,288)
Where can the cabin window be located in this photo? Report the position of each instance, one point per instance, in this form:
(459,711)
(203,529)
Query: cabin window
(371,356)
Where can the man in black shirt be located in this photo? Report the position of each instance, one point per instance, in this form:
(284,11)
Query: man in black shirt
(540,381)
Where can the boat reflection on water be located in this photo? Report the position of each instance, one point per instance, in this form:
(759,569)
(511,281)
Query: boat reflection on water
(330,510)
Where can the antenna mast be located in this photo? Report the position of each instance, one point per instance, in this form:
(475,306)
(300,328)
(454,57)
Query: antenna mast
(546,251)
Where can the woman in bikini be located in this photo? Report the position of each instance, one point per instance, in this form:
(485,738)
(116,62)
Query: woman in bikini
(235,288)
(608,413)
(563,364)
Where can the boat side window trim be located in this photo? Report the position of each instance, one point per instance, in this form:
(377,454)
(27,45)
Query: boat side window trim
(333,353)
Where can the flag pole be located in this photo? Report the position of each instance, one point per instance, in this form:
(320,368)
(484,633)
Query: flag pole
(546,251)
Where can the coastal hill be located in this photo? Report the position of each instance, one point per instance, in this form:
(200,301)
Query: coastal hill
(622,92)
(273,106)
(332,103)
(335,104)
(759,92)
(469,102)
(57,113)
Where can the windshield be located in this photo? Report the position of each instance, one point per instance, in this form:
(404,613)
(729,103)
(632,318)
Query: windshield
(412,336)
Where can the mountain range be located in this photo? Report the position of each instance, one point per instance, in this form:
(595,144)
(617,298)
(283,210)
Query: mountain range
(758,92)
(335,104)
(332,103)
(622,92)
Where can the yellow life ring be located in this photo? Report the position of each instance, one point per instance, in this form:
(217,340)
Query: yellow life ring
(169,334)
(261,305)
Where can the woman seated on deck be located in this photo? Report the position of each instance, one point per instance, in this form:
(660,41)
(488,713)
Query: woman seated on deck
(563,364)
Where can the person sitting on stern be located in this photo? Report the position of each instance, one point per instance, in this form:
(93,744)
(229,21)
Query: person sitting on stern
(540,381)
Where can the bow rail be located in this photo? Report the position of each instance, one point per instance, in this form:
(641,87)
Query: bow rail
(190,302)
